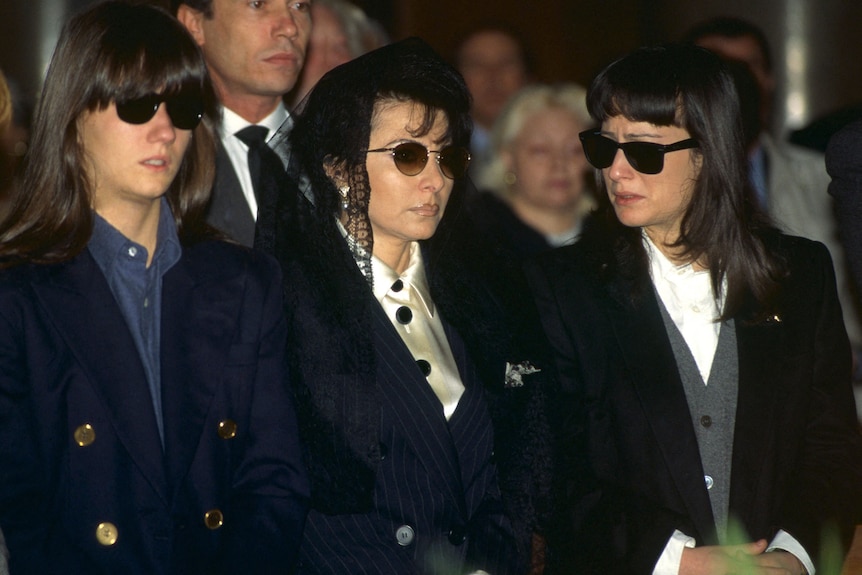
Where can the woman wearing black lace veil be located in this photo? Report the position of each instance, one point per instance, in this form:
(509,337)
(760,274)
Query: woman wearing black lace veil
(417,403)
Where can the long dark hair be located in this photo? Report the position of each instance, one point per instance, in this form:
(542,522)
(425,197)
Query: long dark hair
(112,52)
(686,86)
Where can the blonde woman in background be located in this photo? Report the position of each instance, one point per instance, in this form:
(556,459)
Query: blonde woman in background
(536,191)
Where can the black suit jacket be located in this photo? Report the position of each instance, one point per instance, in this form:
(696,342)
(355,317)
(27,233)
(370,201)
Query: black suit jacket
(631,470)
(229,211)
(226,494)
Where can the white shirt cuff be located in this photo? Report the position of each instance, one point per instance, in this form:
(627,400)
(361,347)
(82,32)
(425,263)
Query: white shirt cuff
(669,560)
(786,542)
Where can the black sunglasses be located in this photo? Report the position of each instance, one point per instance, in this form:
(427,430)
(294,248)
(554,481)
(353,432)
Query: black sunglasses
(184,109)
(410,159)
(645,157)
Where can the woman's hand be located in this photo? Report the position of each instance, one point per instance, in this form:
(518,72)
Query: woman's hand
(746,559)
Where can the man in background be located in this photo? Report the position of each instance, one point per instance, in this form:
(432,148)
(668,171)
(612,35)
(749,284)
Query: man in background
(495,64)
(254,53)
(789,181)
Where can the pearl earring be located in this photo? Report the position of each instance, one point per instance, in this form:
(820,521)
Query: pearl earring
(343,191)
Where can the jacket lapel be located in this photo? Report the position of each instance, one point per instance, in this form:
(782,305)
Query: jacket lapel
(199,317)
(84,310)
(639,329)
(413,399)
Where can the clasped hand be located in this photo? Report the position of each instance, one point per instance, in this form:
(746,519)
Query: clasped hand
(745,559)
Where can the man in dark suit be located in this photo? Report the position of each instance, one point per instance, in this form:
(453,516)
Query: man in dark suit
(254,55)
(788,180)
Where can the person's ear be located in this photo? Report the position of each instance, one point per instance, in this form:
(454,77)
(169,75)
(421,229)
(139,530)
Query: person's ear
(193,21)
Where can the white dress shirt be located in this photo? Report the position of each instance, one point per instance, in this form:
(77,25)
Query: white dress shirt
(420,328)
(687,296)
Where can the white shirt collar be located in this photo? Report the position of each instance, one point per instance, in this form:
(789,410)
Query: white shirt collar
(688,284)
(689,301)
(233,122)
(384,277)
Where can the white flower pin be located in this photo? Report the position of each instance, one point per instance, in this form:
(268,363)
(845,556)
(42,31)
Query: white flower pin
(516,371)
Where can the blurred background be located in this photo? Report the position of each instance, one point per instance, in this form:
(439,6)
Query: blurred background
(815,43)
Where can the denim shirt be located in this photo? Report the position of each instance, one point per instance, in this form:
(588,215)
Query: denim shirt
(138,289)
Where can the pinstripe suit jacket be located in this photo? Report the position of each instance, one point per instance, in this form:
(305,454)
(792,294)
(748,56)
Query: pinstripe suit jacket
(437,507)
(386,467)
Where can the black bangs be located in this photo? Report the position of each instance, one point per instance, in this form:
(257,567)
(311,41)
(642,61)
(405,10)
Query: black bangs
(643,87)
(144,51)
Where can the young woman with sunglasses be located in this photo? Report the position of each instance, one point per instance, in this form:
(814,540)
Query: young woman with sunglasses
(146,424)
(398,348)
(707,422)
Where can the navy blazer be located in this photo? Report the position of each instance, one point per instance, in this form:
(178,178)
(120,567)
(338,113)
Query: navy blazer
(631,468)
(85,484)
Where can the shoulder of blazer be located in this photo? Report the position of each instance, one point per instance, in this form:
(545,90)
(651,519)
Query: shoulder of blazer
(22,275)
(808,262)
(18,286)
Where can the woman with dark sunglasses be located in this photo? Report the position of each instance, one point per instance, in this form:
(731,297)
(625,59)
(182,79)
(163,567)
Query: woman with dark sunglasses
(413,391)
(146,423)
(706,422)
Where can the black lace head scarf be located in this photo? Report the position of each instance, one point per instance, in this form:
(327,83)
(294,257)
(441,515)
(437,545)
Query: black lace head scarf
(333,125)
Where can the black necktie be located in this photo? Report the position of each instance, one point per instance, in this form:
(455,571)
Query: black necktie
(269,179)
(255,138)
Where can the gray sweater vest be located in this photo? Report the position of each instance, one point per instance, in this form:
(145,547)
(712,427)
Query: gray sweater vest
(713,411)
